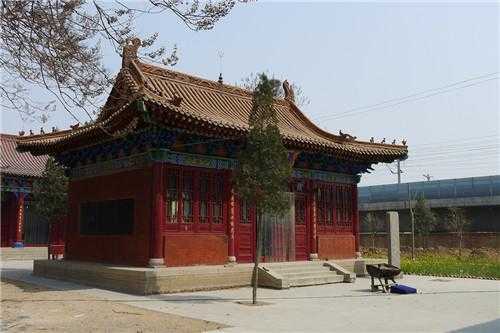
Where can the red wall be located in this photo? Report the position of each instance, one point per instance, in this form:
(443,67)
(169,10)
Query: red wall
(179,248)
(9,218)
(195,249)
(340,246)
(122,249)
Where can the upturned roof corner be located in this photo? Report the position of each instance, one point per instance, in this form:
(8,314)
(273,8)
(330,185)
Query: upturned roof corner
(130,51)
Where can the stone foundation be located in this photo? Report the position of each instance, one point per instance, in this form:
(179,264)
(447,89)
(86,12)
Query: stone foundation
(145,281)
(24,253)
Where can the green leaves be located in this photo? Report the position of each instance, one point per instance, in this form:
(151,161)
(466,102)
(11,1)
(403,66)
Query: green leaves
(50,192)
(425,219)
(264,169)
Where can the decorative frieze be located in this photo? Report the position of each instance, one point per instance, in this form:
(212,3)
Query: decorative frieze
(202,161)
(17,184)
(111,166)
(326,176)
(192,160)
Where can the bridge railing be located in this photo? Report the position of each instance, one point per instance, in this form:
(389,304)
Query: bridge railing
(488,186)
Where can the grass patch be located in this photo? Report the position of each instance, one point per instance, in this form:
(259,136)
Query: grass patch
(451,265)
(480,263)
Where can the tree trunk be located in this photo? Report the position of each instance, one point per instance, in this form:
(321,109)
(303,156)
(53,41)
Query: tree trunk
(255,281)
(373,241)
(460,244)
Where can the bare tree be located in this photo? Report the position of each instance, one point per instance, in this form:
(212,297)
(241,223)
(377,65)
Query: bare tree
(250,82)
(56,45)
(458,221)
(373,224)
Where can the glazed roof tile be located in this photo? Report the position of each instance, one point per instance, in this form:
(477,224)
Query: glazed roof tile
(13,162)
(207,102)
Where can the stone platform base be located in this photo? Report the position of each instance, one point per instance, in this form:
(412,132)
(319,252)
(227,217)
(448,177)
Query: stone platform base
(358,266)
(146,281)
(23,253)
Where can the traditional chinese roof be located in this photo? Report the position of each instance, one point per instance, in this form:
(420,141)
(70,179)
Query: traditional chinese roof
(200,106)
(13,162)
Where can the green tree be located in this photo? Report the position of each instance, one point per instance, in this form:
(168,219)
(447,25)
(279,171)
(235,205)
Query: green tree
(458,221)
(425,219)
(50,193)
(300,98)
(264,170)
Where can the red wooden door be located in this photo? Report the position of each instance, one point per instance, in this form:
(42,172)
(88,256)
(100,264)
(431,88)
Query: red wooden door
(245,232)
(301,229)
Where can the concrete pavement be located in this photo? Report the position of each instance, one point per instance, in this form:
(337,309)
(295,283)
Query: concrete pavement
(442,305)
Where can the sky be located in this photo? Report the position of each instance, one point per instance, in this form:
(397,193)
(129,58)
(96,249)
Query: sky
(349,58)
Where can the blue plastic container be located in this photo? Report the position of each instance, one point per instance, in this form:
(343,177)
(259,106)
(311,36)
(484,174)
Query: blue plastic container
(402,289)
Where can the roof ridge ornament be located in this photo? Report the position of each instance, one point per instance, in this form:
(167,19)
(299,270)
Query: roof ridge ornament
(289,94)
(130,50)
(347,136)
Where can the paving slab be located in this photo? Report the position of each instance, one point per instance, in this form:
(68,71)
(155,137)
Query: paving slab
(442,305)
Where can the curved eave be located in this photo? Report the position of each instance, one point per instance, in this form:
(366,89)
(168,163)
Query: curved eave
(55,143)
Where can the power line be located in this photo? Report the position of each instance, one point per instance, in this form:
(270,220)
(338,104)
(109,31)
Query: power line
(374,107)
(459,140)
(444,152)
(451,164)
(414,94)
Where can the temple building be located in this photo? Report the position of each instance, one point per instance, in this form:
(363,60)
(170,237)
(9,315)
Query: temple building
(20,225)
(151,177)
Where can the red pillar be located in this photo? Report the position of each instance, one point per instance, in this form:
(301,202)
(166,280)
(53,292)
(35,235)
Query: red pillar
(231,257)
(356,220)
(231,229)
(18,241)
(314,243)
(156,258)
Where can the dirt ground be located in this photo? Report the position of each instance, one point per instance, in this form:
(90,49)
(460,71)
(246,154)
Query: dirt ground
(30,308)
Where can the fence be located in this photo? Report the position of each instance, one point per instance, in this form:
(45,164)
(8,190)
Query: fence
(470,240)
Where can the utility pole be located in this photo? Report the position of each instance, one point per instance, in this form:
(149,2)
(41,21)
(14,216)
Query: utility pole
(399,172)
(428,177)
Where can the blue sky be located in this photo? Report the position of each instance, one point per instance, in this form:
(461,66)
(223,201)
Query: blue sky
(349,55)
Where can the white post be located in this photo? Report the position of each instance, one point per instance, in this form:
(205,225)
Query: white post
(392,219)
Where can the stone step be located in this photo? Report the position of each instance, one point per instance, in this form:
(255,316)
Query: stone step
(277,267)
(300,269)
(292,263)
(310,281)
(300,273)
(297,275)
